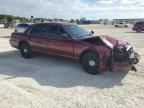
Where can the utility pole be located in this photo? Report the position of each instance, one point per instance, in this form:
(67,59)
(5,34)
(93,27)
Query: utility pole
(32,19)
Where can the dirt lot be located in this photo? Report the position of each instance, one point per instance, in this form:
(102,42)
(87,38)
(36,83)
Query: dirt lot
(53,82)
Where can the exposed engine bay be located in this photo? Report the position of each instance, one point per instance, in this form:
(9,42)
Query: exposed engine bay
(125,53)
(120,53)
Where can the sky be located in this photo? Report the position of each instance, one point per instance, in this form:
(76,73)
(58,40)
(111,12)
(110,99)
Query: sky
(67,9)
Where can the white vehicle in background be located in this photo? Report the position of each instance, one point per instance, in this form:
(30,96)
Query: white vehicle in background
(21,27)
(121,24)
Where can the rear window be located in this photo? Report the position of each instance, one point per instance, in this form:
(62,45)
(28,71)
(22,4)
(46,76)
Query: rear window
(39,30)
(55,29)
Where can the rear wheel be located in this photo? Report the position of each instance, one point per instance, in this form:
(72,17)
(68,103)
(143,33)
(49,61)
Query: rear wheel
(90,62)
(25,50)
(138,30)
(126,26)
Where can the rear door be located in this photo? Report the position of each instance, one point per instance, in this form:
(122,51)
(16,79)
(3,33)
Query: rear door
(38,38)
(59,41)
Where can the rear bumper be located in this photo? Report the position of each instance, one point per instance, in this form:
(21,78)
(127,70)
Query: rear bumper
(138,28)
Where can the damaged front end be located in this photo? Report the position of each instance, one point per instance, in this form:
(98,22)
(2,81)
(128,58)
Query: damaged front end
(114,54)
(124,57)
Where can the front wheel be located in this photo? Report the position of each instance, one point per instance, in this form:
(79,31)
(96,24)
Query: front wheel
(90,62)
(25,50)
(138,30)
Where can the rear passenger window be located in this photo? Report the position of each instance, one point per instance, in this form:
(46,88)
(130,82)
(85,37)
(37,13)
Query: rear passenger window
(40,30)
(55,31)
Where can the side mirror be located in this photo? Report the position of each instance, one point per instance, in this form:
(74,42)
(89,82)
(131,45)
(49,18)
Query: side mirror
(92,32)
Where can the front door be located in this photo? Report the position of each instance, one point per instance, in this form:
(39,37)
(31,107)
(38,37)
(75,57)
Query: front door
(60,42)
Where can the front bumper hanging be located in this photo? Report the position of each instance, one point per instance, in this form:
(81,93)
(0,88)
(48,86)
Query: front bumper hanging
(126,54)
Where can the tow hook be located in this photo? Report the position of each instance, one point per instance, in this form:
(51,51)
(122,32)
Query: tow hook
(133,68)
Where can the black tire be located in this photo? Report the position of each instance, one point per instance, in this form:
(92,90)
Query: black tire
(90,62)
(138,30)
(25,50)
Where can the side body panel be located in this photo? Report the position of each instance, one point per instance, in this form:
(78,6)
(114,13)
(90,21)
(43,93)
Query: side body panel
(16,38)
(52,44)
(103,52)
(61,47)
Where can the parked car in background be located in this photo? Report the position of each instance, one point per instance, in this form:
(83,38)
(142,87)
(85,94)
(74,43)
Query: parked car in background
(138,26)
(95,53)
(21,27)
(121,24)
(9,24)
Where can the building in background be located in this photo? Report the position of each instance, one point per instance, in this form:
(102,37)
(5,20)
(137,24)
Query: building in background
(127,21)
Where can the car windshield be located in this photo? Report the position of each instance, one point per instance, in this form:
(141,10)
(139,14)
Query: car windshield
(120,23)
(76,31)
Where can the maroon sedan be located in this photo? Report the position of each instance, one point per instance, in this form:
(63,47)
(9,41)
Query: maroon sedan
(95,53)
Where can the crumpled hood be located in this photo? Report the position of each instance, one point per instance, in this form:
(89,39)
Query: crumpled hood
(113,40)
(108,40)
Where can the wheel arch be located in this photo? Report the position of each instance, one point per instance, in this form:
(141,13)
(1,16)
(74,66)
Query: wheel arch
(20,42)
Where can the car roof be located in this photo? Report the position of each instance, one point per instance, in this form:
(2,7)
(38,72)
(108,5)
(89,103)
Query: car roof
(139,22)
(56,23)
(22,24)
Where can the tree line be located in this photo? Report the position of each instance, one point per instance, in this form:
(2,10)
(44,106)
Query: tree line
(10,18)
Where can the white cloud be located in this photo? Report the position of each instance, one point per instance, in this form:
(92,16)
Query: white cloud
(74,8)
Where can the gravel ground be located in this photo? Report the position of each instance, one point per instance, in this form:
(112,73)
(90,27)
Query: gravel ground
(53,82)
